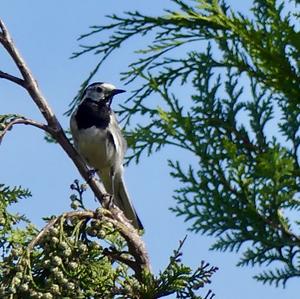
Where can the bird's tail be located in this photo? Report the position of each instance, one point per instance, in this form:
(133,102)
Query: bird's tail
(122,200)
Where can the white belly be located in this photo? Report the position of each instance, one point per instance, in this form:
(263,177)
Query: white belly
(97,149)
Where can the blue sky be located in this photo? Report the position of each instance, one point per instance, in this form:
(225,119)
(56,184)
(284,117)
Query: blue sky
(45,32)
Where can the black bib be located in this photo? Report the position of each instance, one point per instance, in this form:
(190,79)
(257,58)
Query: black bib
(91,113)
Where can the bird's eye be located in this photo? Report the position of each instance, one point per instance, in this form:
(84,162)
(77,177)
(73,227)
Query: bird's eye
(99,89)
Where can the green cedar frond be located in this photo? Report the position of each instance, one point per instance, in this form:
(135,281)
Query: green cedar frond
(236,109)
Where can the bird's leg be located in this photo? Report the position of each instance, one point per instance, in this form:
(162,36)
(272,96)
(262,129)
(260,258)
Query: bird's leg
(112,176)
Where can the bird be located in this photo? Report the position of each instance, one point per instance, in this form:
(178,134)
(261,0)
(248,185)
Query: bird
(98,138)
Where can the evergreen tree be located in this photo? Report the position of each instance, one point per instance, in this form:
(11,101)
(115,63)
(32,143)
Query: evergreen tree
(239,116)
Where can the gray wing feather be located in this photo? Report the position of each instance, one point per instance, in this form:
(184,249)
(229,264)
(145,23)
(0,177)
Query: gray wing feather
(74,129)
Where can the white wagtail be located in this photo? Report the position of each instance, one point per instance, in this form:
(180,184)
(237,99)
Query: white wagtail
(98,138)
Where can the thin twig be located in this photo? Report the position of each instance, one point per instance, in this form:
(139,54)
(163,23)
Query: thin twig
(12,78)
(25,121)
(4,31)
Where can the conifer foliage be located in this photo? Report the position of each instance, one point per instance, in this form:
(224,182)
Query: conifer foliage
(238,110)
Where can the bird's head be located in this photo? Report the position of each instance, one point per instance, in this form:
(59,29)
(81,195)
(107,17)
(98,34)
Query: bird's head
(101,93)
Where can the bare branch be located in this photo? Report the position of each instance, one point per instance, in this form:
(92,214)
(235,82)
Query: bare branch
(4,31)
(135,243)
(57,132)
(118,256)
(12,78)
(25,121)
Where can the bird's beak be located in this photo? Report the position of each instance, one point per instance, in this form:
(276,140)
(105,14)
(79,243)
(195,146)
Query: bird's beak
(114,92)
(117,91)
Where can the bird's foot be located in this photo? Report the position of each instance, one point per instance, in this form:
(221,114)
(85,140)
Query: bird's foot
(108,201)
(92,173)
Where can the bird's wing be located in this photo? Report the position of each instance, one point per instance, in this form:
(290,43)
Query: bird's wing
(119,140)
(74,129)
